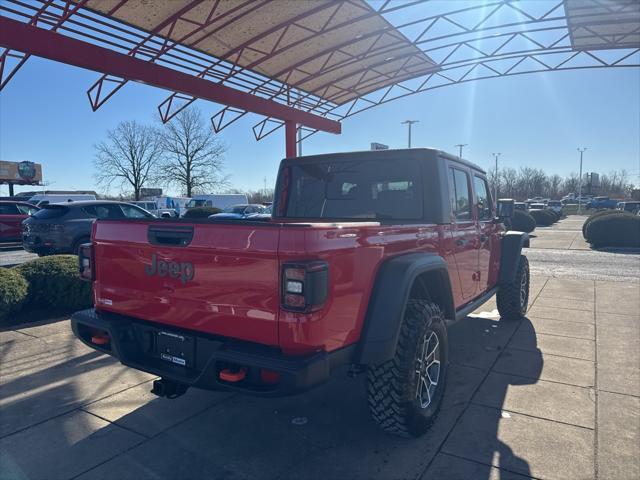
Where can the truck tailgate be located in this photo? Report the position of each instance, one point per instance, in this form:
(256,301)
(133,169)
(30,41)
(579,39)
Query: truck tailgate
(223,281)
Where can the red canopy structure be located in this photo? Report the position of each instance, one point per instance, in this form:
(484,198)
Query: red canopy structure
(309,64)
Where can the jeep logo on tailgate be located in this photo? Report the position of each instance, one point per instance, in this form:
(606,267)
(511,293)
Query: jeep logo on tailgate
(184,270)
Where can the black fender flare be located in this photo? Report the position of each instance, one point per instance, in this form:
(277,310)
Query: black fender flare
(388,301)
(512,244)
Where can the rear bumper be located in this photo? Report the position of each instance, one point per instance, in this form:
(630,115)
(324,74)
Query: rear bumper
(43,245)
(133,342)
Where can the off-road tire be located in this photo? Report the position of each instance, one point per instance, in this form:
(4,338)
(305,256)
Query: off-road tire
(512,301)
(392,385)
(75,250)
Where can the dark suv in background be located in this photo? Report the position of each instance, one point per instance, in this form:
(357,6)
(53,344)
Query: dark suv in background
(63,227)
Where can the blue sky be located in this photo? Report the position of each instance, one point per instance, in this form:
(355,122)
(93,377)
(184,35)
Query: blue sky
(534,120)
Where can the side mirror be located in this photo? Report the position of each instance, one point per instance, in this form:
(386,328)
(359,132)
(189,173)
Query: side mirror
(506,209)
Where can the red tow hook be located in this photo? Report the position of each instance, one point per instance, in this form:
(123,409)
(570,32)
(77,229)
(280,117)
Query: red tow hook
(100,338)
(229,375)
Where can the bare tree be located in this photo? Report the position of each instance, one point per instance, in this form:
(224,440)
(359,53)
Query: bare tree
(509,180)
(555,181)
(127,157)
(193,156)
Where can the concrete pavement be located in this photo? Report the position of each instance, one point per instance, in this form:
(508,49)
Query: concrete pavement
(554,396)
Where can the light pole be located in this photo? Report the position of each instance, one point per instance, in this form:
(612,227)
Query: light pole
(409,123)
(581,150)
(495,187)
(460,145)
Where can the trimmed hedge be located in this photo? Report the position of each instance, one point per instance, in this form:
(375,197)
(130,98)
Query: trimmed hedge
(201,212)
(615,230)
(598,214)
(523,222)
(13,292)
(54,282)
(543,218)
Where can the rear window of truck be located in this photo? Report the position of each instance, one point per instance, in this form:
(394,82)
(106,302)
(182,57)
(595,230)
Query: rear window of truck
(353,190)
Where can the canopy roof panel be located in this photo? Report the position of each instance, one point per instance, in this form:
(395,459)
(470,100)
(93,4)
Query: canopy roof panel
(323,47)
(328,59)
(603,24)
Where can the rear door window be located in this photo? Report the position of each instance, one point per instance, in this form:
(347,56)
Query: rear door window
(459,194)
(103,211)
(131,211)
(354,190)
(483,200)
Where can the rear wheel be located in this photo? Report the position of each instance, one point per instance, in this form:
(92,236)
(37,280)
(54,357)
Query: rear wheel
(405,393)
(513,299)
(76,246)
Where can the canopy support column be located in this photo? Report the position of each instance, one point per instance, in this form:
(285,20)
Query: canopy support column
(290,128)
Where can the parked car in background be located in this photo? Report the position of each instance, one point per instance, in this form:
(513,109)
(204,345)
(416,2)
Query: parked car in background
(46,199)
(155,210)
(12,215)
(220,201)
(240,211)
(537,206)
(633,206)
(556,206)
(520,206)
(176,205)
(62,228)
(602,202)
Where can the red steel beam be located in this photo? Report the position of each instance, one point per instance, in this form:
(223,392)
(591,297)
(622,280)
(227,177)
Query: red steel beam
(290,138)
(54,46)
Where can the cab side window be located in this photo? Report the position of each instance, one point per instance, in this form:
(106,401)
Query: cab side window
(459,194)
(483,199)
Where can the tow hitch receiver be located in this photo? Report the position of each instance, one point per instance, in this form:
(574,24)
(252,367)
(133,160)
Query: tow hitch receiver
(168,389)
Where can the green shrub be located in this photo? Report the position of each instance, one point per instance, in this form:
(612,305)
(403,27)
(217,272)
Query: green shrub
(543,218)
(616,230)
(598,214)
(13,292)
(54,282)
(201,212)
(523,222)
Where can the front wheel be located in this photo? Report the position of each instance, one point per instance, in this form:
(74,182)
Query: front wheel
(405,393)
(513,299)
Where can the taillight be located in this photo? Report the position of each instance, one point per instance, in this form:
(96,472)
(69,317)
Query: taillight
(304,285)
(85,258)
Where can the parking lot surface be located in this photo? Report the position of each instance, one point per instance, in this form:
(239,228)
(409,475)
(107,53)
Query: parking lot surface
(554,396)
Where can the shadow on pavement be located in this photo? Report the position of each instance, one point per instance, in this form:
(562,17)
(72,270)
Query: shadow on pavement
(322,434)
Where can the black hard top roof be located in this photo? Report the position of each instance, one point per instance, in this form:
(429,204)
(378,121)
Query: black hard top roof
(421,153)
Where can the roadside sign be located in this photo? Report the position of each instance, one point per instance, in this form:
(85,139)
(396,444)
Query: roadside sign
(151,192)
(379,146)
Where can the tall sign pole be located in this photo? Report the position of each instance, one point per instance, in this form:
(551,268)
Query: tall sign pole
(409,123)
(581,150)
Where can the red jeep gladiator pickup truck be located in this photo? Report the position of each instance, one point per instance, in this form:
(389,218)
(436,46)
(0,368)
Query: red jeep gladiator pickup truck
(366,259)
